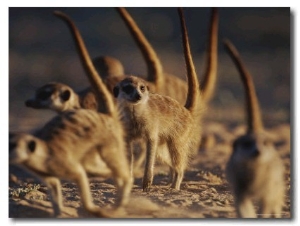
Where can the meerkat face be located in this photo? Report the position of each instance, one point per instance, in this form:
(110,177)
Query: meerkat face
(23,147)
(252,147)
(132,90)
(55,96)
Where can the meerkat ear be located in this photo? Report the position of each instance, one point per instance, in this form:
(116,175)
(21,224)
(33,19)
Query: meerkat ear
(116,91)
(148,89)
(31,145)
(65,95)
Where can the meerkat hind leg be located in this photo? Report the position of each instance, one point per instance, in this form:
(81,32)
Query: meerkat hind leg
(245,207)
(121,172)
(177,179)
(54,186)
(270,207)
(86,196)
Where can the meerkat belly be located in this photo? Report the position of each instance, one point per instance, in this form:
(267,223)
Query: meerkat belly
(163,154)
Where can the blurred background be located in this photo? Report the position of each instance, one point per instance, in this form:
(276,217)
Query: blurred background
(41,50)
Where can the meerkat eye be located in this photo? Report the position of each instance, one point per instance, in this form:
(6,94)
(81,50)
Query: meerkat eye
(128,89)
(31,146)
(44,95)
(143,88)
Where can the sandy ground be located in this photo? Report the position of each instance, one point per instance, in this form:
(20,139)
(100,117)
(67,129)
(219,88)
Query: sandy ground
(41,51)
(204,193)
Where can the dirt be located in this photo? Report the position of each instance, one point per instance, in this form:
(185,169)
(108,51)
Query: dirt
(205,192)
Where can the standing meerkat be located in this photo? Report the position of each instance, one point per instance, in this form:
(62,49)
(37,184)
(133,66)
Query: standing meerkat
(167,84)
(255,170)
(171,131)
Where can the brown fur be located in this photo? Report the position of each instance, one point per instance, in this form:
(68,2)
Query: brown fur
(167,84)
(61,148)
(255,170)
(60,97)
(171,131)
(73,137)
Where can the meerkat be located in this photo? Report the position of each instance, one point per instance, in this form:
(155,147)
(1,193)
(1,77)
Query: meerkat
(60,97)
(171,131)
(65,142)
(59,150)
(171,85)
(254,170)
(167,84)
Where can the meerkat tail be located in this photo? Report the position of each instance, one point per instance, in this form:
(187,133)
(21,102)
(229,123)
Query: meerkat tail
(193,84)
(154,66)
(101,91)
(254,117)
(210,76)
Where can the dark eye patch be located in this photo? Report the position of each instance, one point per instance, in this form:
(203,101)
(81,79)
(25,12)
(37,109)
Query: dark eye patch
(31,145)
(127,89)
(247,144)
(44,95)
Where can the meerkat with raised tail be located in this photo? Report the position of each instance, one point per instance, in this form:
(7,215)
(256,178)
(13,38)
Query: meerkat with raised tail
(64,144)
(171,131)
(167,84)
(254,170)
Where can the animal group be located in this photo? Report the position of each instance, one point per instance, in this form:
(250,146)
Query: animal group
(123,123)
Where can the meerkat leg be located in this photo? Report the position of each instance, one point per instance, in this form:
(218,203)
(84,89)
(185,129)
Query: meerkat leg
(270,207)
(120,170)
(131,158)
(54,186)
(277,209)
(149,166)
(178,176)
(83,184)
(245,208)
(178,164)
(171,176)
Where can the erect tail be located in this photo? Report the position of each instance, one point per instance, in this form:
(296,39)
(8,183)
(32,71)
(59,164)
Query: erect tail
(102,93)
(154,66)
(254,116)
(210,77)
(193,96)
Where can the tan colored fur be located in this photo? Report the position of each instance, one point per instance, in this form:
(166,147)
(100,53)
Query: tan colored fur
(60,97)
(73,137)
(171,131)
(255,169)
(61,148)
(167,84)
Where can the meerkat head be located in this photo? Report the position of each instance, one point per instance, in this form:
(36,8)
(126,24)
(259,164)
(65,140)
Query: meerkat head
(256,147)
(108,66)
(25,148)
(131,90)
(55,96)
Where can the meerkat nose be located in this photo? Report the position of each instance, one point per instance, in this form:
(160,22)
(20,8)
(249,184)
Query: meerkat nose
(138,97)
